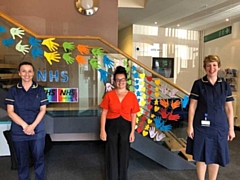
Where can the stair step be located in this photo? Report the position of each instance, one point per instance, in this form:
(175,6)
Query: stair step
(9,76)
(174,143)
(7,66)
(1,57)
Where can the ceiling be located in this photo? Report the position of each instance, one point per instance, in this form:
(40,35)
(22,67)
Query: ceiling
(188,14)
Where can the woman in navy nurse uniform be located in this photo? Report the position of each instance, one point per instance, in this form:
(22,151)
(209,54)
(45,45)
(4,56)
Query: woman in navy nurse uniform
(26,106)
(210,120)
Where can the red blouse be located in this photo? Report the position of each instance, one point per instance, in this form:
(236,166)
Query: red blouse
(128,106)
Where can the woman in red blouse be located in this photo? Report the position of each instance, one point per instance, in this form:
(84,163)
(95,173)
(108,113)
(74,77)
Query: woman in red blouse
(118,119)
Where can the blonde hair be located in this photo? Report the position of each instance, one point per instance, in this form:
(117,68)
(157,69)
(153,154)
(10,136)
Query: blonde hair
(211,58)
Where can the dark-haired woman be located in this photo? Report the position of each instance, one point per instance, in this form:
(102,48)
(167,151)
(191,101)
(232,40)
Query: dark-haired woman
(118,119)
(26,105)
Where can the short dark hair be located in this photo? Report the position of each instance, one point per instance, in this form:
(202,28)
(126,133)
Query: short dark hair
(120,70)
(25,63)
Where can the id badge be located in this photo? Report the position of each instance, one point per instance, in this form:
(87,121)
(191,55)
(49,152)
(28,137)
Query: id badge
(205,123)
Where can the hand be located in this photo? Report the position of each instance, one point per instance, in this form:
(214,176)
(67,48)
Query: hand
(94,63)
(172,93)
(2,29)
(163,113)
(152,132)
(163,89)
(34,42)
(103,75)
(81,59)
(97,52)
(36,52)
(103,135)
(22,48)
(107,62)
(68,46)
(190,132)
(68,58)
(29,130)
(52,57)
(175,104)
(16,32)
(164,102)
(166,128)
(131,137)
(52,46)
(8,42)
(173,117)
(109,87)
(231,135)
(83,49)
(160,136)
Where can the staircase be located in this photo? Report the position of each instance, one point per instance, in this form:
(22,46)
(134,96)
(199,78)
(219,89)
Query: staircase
(162,103)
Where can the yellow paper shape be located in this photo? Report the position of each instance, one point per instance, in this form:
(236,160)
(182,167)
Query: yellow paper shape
(146,127)
(145,133)
(143,89)
(139,114)
(142,103)
(152,115)
(149,121)
(156,88)
(142,76)
(142,83)
(156,102)
(157,82)
(137,119)
(157,94)
(144,96)
(156,108)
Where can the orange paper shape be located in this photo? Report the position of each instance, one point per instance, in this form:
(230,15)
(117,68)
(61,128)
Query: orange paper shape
(83,49)
(175,104)
(164,103)
(81,59)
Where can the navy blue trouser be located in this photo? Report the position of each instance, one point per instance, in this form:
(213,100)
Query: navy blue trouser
(22,153)
(117,148)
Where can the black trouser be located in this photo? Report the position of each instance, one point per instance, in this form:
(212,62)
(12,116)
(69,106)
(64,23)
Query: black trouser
(117,148)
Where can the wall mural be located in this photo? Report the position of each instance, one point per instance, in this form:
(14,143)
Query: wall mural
(156,112)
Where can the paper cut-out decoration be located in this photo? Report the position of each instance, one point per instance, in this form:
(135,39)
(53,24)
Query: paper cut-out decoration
(22,48)
(163,113)
(149,78)
(185,101)
(159,123)
(36,52)
(152,132)
(129,82)
(127,69)
(81,59)
(83,49)
(153,115)
(144,118)
(68,46)
(175,104)
(8,42)
(2,29)
(142,76)
(54,56)
(16,32)
(51,45)
(97,52)
(147,127)
(163,89)
(156,102)
(136,87)
(108,63)
(34,42)
(139,129)
(94,63)
(149,121)
(142,83)
(149,92)
(143,96)
(164,102)
(109,87)
(125,63)
(157,94)
(146,113)
(160,136)
(143,89)
(144,133)
(134,68)
(138,93)
(68,59)
(172,93)
(139,114)
(136,81)
(149,99)
(103,75)
(156,108)
(157,82)
(142,103)
(149,86)
(135,75)
(173,117)
(131,88)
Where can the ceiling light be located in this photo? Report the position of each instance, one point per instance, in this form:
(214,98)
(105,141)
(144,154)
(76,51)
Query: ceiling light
(178,25)
(155,22)
(227,19)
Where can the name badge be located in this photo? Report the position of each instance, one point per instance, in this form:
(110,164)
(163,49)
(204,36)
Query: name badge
(205,123)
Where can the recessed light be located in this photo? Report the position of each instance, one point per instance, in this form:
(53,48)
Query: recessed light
(178,25)
(227,19)
(155,22)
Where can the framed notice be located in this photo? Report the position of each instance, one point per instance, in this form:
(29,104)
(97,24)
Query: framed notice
(163,66)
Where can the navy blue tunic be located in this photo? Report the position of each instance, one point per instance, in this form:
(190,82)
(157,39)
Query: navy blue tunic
(210,144)
(27,106)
